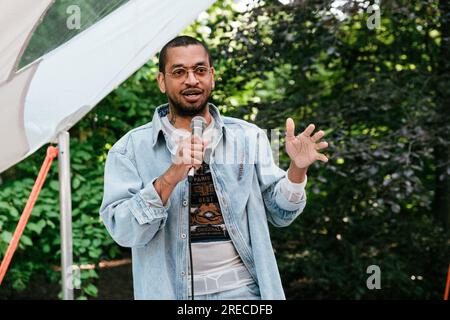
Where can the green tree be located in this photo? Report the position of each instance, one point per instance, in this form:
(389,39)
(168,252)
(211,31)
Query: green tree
(382,94)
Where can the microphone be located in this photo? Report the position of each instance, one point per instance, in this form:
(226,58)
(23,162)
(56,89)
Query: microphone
(198,124)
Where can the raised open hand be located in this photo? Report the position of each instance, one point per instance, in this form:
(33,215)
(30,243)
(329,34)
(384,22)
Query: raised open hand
(303,148)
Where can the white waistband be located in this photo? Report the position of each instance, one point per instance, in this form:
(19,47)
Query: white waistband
(220,281)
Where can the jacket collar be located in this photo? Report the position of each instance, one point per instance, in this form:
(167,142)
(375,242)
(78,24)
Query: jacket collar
(162,111)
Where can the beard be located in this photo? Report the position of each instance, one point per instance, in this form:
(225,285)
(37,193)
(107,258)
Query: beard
(188,110)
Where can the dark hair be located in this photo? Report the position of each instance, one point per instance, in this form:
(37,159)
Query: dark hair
(180,41)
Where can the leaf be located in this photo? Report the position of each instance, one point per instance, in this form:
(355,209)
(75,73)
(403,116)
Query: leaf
(76,282)
(36,227)
(51,224)
(85,242)
(54,185)
(26,240)
(13,211)
(41,224)
(32,226)
(76,183)
(9,208)
(78,167)
(95,253)
(6,236)
(91,290)
(19,285)
(83,155)
(92,273)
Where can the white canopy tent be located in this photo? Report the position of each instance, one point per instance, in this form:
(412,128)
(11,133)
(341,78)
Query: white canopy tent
(57,89)
(47,84)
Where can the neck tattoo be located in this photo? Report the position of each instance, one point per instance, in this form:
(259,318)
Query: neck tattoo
(172,115)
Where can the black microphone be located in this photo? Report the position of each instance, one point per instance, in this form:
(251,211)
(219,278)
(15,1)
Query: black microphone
(198,124)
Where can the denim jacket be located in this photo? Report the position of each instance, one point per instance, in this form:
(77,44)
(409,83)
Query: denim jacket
(246,180)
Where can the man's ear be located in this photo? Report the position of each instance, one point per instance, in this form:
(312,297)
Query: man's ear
(161,84)
(213,72)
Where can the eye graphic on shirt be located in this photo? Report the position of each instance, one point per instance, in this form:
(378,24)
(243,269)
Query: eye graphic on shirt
(207,214)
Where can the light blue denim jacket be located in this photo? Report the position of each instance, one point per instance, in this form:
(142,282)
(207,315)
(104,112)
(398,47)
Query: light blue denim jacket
(246,180)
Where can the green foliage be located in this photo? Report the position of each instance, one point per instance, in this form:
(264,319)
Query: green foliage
(40,243)
(382,96)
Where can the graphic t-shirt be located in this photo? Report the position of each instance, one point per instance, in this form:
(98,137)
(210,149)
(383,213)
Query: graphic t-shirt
(207,222)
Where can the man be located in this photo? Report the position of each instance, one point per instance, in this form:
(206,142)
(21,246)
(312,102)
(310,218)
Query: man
(150,206)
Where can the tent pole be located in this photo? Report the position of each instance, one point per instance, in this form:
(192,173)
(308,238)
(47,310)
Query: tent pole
(66,215)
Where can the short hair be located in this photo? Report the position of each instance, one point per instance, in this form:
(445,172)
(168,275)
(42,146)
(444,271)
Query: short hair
(180,41)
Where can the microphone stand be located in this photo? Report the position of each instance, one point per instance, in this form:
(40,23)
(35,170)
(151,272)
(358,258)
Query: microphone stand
(198,125)
(190,180)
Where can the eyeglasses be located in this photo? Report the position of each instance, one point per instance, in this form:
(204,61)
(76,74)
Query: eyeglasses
(182,73)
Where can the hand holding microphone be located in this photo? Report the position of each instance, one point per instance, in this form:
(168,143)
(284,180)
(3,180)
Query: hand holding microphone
(198,124)
(191,151)
(189,157)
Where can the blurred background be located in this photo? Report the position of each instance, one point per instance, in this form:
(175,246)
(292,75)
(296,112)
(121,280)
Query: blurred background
(375,75)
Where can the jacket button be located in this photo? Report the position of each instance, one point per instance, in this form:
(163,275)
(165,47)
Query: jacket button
(182,273)
(185,203)
(183,236)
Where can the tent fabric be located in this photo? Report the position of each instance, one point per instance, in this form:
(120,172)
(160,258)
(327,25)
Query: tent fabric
(14,143)
(19,20)
(64,20)
(71,79)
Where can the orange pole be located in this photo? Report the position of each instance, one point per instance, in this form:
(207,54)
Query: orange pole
(448,284)
(52,153)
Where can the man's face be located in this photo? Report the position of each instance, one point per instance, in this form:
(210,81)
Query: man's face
(187,93)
